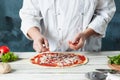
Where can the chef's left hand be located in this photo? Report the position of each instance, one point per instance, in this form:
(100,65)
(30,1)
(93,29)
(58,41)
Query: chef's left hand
(78,41)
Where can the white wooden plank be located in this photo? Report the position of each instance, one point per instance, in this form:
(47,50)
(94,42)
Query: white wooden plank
(43,77)
(36,70)
(24,70)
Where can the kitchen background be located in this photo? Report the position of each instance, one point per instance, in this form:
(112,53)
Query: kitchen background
(11,35)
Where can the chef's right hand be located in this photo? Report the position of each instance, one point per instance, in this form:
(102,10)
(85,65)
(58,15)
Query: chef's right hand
(40,44)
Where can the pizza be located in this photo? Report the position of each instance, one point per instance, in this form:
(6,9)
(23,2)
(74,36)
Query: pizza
(57,59)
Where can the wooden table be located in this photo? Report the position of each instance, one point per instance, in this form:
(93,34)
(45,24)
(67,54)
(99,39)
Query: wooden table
(24,70)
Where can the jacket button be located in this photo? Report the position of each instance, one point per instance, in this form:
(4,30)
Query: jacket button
(82,13)
(59,28)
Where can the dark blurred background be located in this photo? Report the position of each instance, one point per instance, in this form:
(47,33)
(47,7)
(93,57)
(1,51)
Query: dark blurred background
(11,35)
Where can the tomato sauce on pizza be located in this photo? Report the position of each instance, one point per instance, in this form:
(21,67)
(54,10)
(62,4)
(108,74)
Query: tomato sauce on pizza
(56,59)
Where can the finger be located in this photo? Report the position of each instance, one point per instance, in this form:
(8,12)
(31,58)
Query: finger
(36,48)
(40,46)
(69,42)
(72,46)
(46,43)
(75,46)
(76,39)
(44,49)
(80,44)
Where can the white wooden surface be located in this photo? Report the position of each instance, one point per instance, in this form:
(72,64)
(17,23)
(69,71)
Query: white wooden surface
(24,70)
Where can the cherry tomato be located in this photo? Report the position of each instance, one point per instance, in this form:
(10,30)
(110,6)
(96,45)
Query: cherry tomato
(4,49)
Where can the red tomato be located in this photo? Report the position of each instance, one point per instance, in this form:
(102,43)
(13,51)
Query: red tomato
(4,49)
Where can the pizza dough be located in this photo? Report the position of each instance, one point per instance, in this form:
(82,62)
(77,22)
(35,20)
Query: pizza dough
(4,68)
(58,59)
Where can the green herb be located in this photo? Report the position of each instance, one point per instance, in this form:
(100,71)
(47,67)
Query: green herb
(114,59)
(8,57)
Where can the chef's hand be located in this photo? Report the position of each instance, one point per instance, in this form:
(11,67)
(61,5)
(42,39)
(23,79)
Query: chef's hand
(40,43)
(79,39)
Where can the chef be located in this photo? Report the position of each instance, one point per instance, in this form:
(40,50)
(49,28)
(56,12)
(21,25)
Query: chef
(66,25)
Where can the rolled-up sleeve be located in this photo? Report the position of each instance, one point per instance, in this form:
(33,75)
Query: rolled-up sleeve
(30,16)
(103,14)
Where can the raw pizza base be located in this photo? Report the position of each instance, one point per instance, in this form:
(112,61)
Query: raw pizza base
(74,65)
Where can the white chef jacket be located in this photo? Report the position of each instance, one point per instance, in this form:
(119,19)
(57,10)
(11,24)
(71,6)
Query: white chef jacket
(60,20)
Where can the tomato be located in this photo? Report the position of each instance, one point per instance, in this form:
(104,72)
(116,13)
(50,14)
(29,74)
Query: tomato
(4,49)
(82,58)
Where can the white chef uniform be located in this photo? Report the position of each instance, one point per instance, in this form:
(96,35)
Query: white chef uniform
(60,20)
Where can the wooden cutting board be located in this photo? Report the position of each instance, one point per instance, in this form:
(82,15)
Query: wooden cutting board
(114,66)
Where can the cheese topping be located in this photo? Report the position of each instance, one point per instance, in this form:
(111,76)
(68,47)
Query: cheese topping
(57,59)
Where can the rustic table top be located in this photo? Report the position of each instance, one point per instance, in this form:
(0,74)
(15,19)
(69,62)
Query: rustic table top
(24,70)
